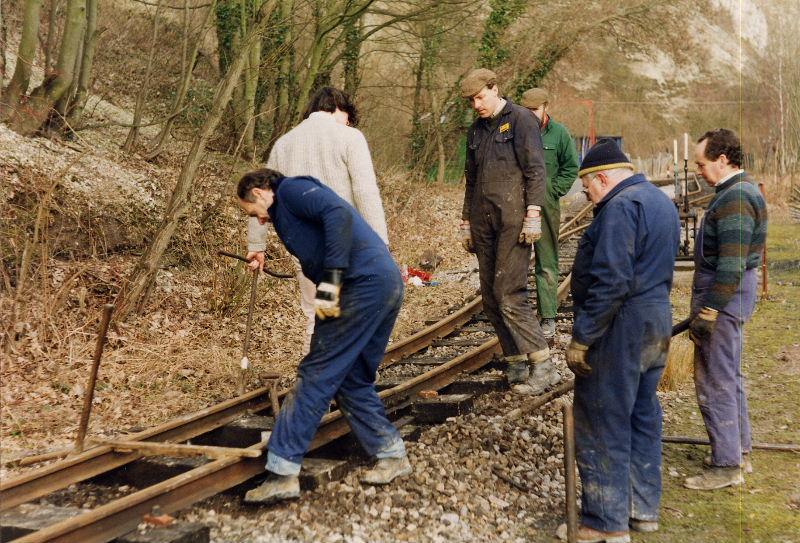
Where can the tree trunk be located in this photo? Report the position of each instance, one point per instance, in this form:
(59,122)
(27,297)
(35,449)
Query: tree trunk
(18,85)
(3,42)
(29,119)
(285,72)
(352,45)
(133,294)
(87,62)
(250,86)
(186,79)
(50,44)
(133,133)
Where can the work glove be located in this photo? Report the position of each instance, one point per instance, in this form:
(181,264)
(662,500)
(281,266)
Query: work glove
(531,229)
(466,237)
(576,359)
(702,326)
(326,302)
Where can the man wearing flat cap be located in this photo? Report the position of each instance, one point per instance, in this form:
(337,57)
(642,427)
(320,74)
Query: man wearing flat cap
(561,161)
(621,281)
(501,218)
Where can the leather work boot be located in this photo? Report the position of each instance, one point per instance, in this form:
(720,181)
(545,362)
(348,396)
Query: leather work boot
(715,477)
(387,470)
(543,376)
(590,535)
(643,525)
(275,489)
(746,465)
(516,368)
(548,328)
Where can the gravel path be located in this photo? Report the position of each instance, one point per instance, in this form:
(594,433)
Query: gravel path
(476,478)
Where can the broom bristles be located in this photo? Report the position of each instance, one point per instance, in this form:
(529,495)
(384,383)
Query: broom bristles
(680,363)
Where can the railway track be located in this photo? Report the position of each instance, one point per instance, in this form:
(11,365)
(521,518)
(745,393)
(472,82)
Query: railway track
(424,361)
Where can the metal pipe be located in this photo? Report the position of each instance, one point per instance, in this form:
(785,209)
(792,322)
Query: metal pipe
(88,396)
(245,363)
(266,270)
(685,440)
(569,473)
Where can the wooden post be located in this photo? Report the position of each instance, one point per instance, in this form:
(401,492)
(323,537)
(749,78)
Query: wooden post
(764,276)
(88,396)
(569,474)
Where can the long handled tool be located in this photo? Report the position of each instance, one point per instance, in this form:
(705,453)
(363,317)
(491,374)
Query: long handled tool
(266,270)
(245,363)
(569,473)
(88,396)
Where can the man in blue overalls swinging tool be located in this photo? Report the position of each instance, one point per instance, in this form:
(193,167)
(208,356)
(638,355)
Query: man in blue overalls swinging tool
(359,292)
(621,282)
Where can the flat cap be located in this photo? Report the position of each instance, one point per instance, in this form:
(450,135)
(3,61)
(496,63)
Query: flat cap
(604,155)
(476,80)
(533,98)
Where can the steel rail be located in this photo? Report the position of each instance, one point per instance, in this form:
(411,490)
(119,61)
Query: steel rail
(121,516)
(211,478)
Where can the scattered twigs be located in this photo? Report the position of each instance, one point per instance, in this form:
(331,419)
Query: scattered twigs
(539,401)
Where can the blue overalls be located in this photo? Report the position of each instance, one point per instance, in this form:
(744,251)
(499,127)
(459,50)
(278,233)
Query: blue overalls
(718,378)
(323,231)
(621,281)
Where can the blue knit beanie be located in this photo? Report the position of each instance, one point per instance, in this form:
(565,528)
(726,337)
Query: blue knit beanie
(604,155)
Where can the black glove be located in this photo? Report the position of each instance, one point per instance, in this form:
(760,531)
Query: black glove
(326,302)
(702,326)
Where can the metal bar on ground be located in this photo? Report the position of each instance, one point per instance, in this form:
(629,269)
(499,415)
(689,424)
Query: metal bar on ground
(685,440)
(88,395)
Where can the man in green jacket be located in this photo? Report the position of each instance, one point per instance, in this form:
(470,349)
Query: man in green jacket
(561,161)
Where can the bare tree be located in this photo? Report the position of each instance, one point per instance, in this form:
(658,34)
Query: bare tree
(187,70)
(18,85)
(84,80)
(133,133)
(135,291)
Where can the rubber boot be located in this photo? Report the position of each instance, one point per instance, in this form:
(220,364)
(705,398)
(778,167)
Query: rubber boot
(517,370)
(543,376)
(387,470)
(716,477)
(548,328)
(275,489)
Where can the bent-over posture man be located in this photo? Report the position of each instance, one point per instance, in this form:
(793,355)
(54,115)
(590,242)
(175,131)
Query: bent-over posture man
(505,190)
(561,162)
(358,296)
(621,282)
(327,146)
(727,252)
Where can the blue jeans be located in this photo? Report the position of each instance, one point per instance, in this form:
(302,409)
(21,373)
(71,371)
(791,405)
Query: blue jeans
(343,361)
(618,419)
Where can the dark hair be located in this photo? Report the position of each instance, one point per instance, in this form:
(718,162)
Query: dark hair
(722,141)
(258,179)
(330,99)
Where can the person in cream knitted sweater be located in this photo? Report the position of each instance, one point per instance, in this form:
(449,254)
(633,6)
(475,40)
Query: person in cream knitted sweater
(325,145)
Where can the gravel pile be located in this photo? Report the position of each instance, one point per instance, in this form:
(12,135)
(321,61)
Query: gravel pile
(476,478)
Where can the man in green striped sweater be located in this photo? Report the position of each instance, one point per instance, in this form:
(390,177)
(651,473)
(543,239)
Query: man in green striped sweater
(728,250)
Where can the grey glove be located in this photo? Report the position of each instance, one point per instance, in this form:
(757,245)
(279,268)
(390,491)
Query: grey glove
(531,230)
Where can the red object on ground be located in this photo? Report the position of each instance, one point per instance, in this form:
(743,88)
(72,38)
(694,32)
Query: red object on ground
(158,521)
(414,272)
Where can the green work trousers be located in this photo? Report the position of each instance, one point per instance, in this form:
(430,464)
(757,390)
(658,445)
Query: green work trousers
(546,265)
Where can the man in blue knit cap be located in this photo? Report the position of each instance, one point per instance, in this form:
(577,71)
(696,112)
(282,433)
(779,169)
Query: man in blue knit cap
(621,282)
(359,292)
